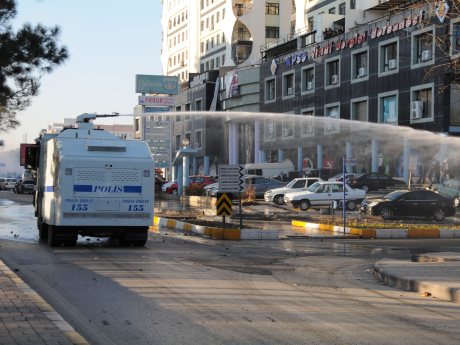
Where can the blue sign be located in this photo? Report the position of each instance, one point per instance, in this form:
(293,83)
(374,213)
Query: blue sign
(155,109)
(158,84)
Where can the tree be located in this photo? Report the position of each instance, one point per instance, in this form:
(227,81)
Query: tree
(25,56)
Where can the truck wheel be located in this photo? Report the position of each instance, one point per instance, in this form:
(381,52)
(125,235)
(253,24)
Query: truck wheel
(137,237)
(42,229)
(279,199)
(53,238)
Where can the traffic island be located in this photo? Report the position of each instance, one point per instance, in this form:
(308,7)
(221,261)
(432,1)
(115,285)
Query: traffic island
(216,233)
(384,230)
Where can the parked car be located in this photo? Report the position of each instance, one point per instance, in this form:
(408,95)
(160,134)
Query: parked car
(276,195)
(166,185)
(17,185)
(376,181)
(323,193)
(9,183)
(197,181)
(259,184)
(2,183)
(450,189)
(27,187)
(405,203)
(348,177)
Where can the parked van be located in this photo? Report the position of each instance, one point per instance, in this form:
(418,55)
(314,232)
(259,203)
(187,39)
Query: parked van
(270,169)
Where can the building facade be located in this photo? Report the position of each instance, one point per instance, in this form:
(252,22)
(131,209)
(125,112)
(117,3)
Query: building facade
(395,70)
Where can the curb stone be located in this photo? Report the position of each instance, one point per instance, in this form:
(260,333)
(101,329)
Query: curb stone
(218,233)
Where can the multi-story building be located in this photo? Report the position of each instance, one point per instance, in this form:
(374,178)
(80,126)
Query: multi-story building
(393,64)
(214,48)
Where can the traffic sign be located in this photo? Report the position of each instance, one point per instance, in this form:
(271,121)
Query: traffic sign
(231,178)
(223,205)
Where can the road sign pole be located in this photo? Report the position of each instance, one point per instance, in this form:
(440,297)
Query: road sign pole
(223,221)
(241,210)
(344,206)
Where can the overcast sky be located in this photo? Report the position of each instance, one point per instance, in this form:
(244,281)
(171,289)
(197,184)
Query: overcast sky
(109,41)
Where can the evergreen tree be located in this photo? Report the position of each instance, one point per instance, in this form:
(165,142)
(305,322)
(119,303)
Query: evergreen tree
(25,56)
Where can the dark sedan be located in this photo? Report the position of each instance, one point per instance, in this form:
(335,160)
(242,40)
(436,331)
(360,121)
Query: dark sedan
(376,181)
(405,203)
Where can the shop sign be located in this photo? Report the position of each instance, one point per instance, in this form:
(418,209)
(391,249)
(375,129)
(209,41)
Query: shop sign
(350,42)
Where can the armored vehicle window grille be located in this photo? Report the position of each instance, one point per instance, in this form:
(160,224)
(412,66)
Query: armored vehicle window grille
(125,176)
(107,148)
(89,175)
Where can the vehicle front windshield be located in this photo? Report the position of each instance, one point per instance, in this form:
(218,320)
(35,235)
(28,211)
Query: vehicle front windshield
(394,195)
(314,187)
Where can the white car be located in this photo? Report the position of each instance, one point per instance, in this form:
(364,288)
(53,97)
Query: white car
(323,193)
(277,195)
(9,183)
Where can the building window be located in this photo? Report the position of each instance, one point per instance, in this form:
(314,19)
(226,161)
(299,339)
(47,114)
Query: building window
(388,57)
(197,140)
(212,64)
(332,74)
(360,109)
(307,123)
(270,90)
(287,130)
(455,104)
(217,62)
(198,104)
(352,4)
(272,8)
(178,142)
(218,17)
(239,10)
(359,65)
(388,107)
(455,34)
(308,79)
(422,105)
(272,32)
(311,23)
(269,129)
(423,47)
(331,111)
(332,10)
(342,8)
(188,107)
(288,84)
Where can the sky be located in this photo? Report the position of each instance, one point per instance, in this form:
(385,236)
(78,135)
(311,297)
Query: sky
(109,41)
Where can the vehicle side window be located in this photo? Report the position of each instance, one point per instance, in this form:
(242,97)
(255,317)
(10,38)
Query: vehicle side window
(299,184)
(250,180)
(337,188)
(383,177)
(260,180)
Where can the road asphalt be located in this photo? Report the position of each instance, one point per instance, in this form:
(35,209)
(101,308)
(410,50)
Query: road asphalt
(25,318)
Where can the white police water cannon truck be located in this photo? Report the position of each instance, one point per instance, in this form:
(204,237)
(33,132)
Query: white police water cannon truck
(92,183)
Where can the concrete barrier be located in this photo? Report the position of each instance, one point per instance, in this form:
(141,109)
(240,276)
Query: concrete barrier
(216,233)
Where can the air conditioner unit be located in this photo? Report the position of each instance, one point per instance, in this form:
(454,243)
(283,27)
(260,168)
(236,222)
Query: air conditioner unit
(426,55)
(289,90)
(416,110)
(286,132)
(334,79)
(392,64)
(309,85)
(362,72)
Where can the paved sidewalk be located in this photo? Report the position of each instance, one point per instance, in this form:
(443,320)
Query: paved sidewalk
(25,318)
(431,274)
